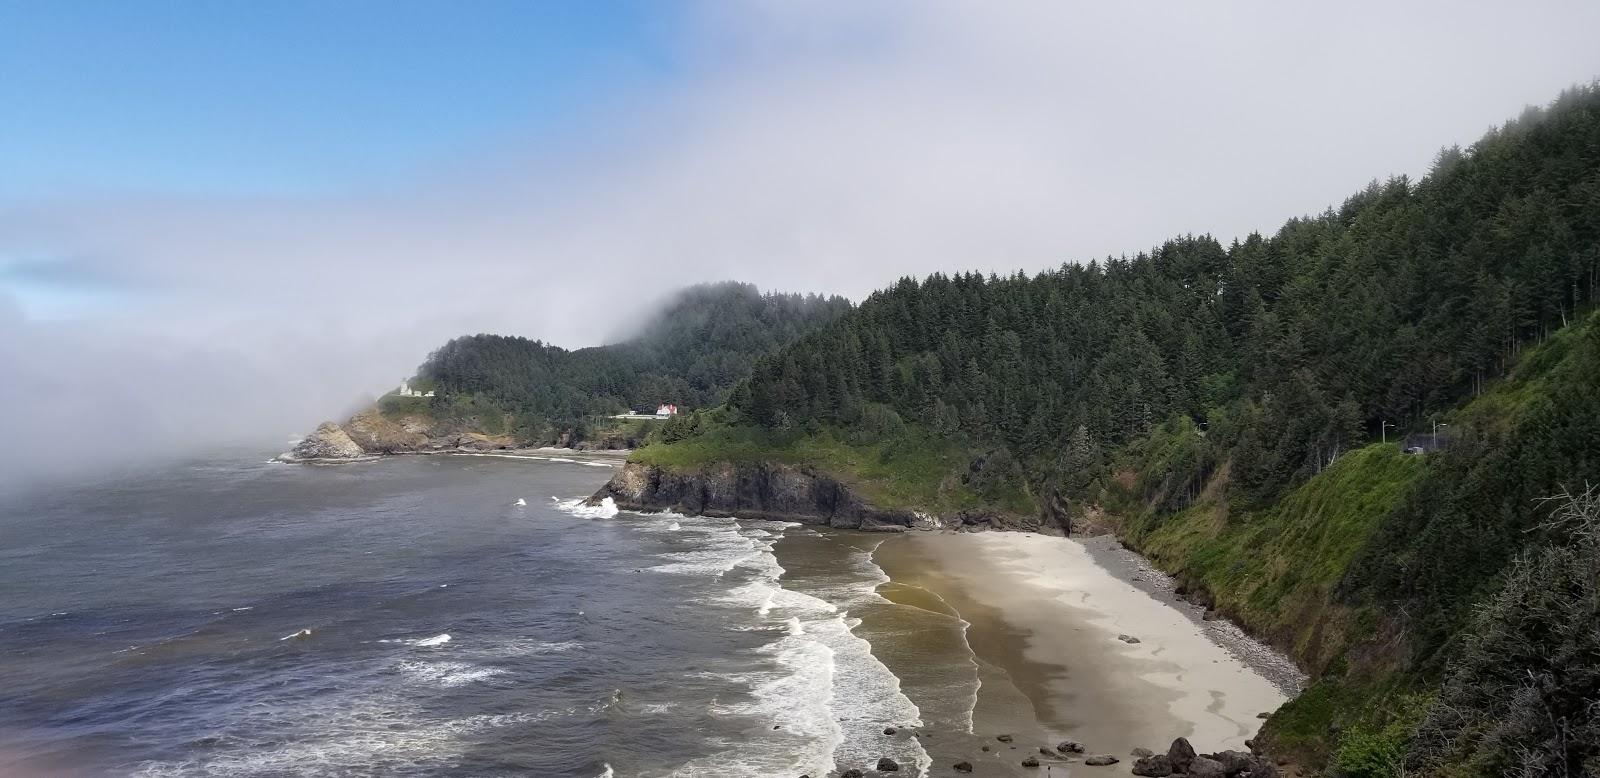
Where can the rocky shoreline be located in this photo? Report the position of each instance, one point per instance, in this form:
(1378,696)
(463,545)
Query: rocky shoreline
(370,433)
(789,493)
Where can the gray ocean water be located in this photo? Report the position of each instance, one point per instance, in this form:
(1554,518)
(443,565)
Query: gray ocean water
(146,627)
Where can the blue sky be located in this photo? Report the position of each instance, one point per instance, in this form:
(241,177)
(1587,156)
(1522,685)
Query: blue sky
(291,97)
(261,209)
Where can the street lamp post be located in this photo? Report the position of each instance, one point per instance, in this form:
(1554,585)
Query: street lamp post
(1383,429)
(1436,426)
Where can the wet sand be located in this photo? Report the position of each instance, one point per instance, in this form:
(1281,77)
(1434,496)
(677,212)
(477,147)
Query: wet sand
(1045,619)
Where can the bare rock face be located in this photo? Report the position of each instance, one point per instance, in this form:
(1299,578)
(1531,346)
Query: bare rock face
(1181,755)
(758,491)
(1156,766)
(1203,767)
(330,441)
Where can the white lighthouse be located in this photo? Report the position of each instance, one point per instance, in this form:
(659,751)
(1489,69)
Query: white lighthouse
(407,391)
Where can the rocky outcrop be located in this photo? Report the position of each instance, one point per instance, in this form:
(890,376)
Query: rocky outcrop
(765,490)
(330,441)
(752,491)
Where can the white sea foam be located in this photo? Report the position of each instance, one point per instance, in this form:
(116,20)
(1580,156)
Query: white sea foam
(674,526)
(580,507)
(608,772)
(436,640)
(448,674)
(828,696)
(599,464)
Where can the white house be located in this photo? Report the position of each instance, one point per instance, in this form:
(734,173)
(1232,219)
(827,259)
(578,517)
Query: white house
(407,391)
(666,409)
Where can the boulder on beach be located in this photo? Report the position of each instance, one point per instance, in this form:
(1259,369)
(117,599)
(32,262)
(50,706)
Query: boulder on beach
(1180,754)
(887,765)
(1030,762)
(1070,747)
(1046,751)
(1206,767)
(889,730)
(1141,752)
(963,767)
(1233,762)
(1101,760)
(1129,639)
(852,773)
(1003,738)
(1154,765)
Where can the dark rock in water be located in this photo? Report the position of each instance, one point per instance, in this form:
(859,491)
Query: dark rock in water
(963,767)
(1070,747)
(1129,639)
(1003,738)
(1205,767)
(1101,760)
(1142,752)
(889,730)
(1156,765)
(985,748)
(887,765)
(1262,715)
(1030,762)
(1046,751)
(778,491)
(852,773)
(1180,754)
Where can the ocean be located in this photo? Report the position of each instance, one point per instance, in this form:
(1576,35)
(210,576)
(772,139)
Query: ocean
(408,616)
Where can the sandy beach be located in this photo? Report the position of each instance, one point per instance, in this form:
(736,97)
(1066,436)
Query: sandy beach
(1047,616)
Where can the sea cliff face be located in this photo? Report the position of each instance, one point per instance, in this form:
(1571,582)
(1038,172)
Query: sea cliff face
(785,493)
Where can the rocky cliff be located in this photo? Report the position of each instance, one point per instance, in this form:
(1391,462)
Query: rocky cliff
(330,441)
(785,493)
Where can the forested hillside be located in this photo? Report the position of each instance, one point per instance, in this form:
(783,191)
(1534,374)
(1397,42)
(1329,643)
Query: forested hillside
(1226,403)
(690,353)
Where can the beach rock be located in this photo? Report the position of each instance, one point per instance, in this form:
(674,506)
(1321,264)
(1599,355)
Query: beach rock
(1046,751)
(1101,760)
(1205,767)
(1030,762)
(1262,715)
(1070,747)
(852,773)
(1181,754)
(330,441)
(889,730)
(1129,639)
(1262,769)
(963,767)
(1003,738)
(985,748)
(1142,752)
(1233,762)
(1155,765)
(887,765)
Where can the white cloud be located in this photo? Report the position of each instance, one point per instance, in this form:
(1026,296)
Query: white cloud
(826,147)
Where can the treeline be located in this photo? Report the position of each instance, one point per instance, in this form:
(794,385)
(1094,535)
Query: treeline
(689,354)
(1273,356)
(1293,348)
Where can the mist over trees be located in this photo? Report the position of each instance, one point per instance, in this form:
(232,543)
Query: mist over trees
(690,354)
(1289,349)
